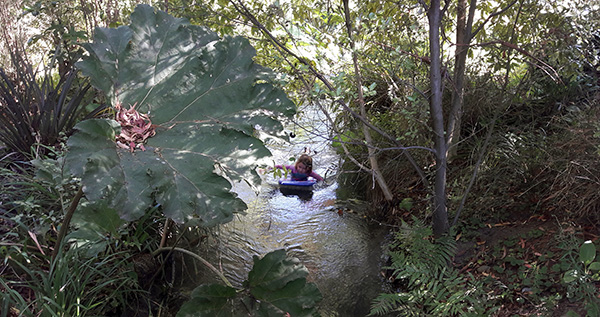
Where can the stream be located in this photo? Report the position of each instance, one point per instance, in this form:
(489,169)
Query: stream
(330,236)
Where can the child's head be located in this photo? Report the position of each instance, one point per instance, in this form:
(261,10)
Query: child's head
(304,164)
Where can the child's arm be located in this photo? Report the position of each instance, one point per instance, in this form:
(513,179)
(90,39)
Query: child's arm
(316,176)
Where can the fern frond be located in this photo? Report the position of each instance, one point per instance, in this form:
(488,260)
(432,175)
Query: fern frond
(430,285)
(385,304)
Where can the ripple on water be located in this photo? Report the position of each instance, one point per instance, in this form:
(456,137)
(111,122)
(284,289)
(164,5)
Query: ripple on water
(339,252)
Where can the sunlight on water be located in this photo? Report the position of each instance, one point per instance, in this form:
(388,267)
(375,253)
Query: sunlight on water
(341,252)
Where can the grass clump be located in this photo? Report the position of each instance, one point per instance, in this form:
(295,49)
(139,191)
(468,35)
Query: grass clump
(72,285)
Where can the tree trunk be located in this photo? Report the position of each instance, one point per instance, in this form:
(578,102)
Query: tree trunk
(463,39)
(440,212)
(375,171)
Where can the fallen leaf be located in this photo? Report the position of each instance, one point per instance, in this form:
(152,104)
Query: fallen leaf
(33,236)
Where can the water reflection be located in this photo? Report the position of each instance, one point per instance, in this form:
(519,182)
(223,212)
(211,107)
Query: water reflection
(341,252)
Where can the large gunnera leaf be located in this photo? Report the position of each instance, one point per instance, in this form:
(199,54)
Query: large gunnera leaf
(276,286)
(207,102)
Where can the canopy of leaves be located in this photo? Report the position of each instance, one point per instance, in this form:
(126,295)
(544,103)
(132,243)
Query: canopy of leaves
(277,285)
(207,100)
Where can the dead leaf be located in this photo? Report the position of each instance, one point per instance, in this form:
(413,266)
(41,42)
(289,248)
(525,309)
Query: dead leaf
(136,128)
(34,237)
(522,243)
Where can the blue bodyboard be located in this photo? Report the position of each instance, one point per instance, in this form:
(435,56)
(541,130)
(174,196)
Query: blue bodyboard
(298,184)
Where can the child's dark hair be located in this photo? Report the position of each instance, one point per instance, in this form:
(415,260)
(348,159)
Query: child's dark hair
(307,161)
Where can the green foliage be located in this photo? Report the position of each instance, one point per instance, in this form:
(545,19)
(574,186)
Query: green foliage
(392,37)
(38,111)
(98,227)
(218,15)
(276,285)
(99,255)
(72,285)
(429,285)
(59,25)
(581,278)
(406,204)
(64,24)
(206,98)
(34,201)
(281,172)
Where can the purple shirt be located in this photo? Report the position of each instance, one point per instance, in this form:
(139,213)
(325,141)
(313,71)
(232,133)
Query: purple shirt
(300,176)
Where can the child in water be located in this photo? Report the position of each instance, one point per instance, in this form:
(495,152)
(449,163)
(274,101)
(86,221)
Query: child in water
(302,169)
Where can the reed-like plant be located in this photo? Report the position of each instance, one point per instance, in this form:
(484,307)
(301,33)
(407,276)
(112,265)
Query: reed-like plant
(72,285)
(39,109)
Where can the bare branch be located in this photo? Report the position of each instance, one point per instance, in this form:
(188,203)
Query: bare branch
(424,5)
(375,171)
(546,68)
(239,5)
(491,16)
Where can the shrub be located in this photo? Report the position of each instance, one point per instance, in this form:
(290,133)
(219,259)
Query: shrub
(429,285)
(39,110)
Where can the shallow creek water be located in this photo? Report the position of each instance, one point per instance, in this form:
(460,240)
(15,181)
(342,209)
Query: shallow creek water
(342,252)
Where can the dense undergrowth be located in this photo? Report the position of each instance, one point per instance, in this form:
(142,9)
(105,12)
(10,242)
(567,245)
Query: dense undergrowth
(538,268)
(94,229)
(518,247)
(108,277)
(523,228)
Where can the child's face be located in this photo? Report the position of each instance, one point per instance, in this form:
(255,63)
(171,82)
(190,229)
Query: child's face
(301,168)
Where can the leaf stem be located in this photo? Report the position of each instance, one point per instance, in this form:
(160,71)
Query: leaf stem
(66,222)
(194,255)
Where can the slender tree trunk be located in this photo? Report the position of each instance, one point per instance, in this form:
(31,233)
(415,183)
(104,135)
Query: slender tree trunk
(375,171)
(463,39)
(440,212)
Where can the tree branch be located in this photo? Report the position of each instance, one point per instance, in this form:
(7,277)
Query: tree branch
(199,258)
(555,76)
(375,170)
(491,16)
(242,9)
